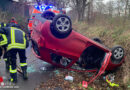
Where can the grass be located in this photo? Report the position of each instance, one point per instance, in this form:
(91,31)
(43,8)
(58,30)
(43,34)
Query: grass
(112,32)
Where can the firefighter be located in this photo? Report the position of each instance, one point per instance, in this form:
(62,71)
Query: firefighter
(3,42)
(17,43)
(2,25)
(13,20)
(5,53)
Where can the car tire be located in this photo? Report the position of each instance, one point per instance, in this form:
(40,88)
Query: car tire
(61,26)
(117,54)
(97,40)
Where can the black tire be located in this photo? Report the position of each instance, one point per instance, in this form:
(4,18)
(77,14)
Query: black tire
(35,48)
(61,26)
(97,40)
(117,54)
(48,15)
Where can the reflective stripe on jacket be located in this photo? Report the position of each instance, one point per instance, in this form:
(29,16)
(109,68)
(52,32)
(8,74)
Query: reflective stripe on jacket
(3,40)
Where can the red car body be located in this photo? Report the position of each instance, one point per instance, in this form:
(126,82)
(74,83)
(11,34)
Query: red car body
(71,47)
(74,46)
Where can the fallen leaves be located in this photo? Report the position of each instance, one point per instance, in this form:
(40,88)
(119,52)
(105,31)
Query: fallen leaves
(57,81)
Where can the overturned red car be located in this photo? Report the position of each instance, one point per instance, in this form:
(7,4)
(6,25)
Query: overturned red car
(55,41)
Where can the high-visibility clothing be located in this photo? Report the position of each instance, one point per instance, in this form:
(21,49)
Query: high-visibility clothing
(2,25)
(5,59)
(12,70)
(11,79)
(17,39)
(12,54)
(23,64)
(3,40)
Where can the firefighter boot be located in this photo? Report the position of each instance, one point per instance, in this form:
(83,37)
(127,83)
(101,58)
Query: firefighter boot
(13,78)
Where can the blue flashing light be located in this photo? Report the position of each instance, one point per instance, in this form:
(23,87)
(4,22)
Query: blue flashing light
(51,6)
(37,7)
(42,7)
(48,7)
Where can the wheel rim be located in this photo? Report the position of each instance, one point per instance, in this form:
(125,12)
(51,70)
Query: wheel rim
(63,61)
(118,53)
(63,24)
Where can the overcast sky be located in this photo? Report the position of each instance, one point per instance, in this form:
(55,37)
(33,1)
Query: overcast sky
(104,0)
(108,0)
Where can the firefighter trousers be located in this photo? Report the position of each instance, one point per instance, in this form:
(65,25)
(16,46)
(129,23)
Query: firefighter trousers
(13,64)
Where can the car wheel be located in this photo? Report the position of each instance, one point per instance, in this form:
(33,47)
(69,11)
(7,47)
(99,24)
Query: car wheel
(117,54)
(35,48)
(97,40)
(61,26)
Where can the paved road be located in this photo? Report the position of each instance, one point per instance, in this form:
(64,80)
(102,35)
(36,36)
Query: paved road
(36,75)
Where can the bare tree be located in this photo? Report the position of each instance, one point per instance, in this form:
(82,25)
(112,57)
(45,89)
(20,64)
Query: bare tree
(80,6)
(90,11)
(119,7)
(128,3)
(110,8)
(100,7)
(126,6)
(129,9)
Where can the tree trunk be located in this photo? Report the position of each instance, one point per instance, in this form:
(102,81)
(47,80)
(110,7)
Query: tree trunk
(126,6)
(88,17)
(125,12)
(129,11)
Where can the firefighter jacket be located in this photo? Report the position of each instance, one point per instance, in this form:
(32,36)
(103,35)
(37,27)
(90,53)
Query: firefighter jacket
(3,40)
(16,38)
